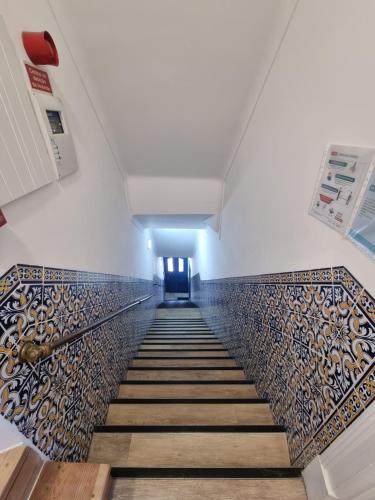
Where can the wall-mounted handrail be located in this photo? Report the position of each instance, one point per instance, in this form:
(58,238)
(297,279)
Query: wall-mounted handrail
(31,352)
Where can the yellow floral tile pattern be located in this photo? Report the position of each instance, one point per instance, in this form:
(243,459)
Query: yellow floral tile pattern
(57,401)
(307,338)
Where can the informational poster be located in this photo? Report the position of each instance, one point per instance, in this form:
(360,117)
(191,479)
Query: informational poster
(362,230)
(342,176)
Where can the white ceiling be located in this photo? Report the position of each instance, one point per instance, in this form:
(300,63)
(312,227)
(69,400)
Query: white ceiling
(173,76)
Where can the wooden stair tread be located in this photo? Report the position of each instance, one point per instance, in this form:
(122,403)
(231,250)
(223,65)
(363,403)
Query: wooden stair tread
(200,414)
(185,314)
(182,341)
(19,467)
(73,481)
(202,489)
(183,362)
(181,331)
(180,328)
(182,374)
(182,354)
(178,336)
(187,391)
(169,449)
(176,347)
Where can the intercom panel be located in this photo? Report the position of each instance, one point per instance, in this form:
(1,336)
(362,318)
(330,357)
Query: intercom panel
(50,111)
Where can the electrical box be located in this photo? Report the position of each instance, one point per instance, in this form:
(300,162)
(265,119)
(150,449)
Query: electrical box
(51,114)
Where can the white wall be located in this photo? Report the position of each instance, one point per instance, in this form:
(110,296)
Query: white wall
(10,437)
(320,90)
(174,242)
(159,267)
(82,222)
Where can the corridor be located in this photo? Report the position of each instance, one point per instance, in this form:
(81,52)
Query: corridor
(186,417)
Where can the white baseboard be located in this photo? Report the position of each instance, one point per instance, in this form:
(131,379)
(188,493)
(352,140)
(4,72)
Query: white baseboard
(346,470)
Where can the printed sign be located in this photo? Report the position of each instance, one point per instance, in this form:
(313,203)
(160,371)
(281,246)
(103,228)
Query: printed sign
(362,231)
(341,179)
(39,79)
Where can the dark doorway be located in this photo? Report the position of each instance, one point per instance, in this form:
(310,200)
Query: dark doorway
(176,278)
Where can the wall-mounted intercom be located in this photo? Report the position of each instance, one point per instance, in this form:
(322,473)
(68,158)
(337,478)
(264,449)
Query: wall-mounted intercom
(51,114)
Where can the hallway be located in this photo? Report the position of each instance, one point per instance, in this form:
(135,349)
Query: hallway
(188,425)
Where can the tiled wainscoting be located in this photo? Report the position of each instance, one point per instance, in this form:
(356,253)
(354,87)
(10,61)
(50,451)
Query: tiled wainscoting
(307,339)
(57,401)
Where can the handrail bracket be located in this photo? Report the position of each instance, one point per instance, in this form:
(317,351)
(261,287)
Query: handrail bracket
(31,353)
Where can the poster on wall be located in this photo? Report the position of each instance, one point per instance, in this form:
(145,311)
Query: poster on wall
(342,175)
(362,228)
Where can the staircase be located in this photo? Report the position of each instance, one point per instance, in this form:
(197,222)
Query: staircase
(188,425)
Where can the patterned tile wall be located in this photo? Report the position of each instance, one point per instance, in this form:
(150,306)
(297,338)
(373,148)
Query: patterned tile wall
(307,339)
(57,401)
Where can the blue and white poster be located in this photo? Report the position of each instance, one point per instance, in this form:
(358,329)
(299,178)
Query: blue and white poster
(362,230)
(342,175)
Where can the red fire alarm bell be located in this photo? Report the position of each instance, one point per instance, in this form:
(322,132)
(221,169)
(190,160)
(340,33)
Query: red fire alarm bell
(40,47)
(3,220)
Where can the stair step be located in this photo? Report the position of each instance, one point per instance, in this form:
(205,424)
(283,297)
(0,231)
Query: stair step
(182,363)
(222,354)
(170,324)
(185,374)
(181,347)
(182,355)
(180,319)
(181,326)
(73,481)
(183,333)
(189,414)
(143,428)
(174,324)
(167,327)
(218,489)
(190,449)
(176,401)
(180,330)
(19,468)
(179,369)
(169,382)
(174,336)
(182,314)
(178,391)
(213,342)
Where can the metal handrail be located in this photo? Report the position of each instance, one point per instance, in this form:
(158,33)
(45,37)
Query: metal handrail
(31,352)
